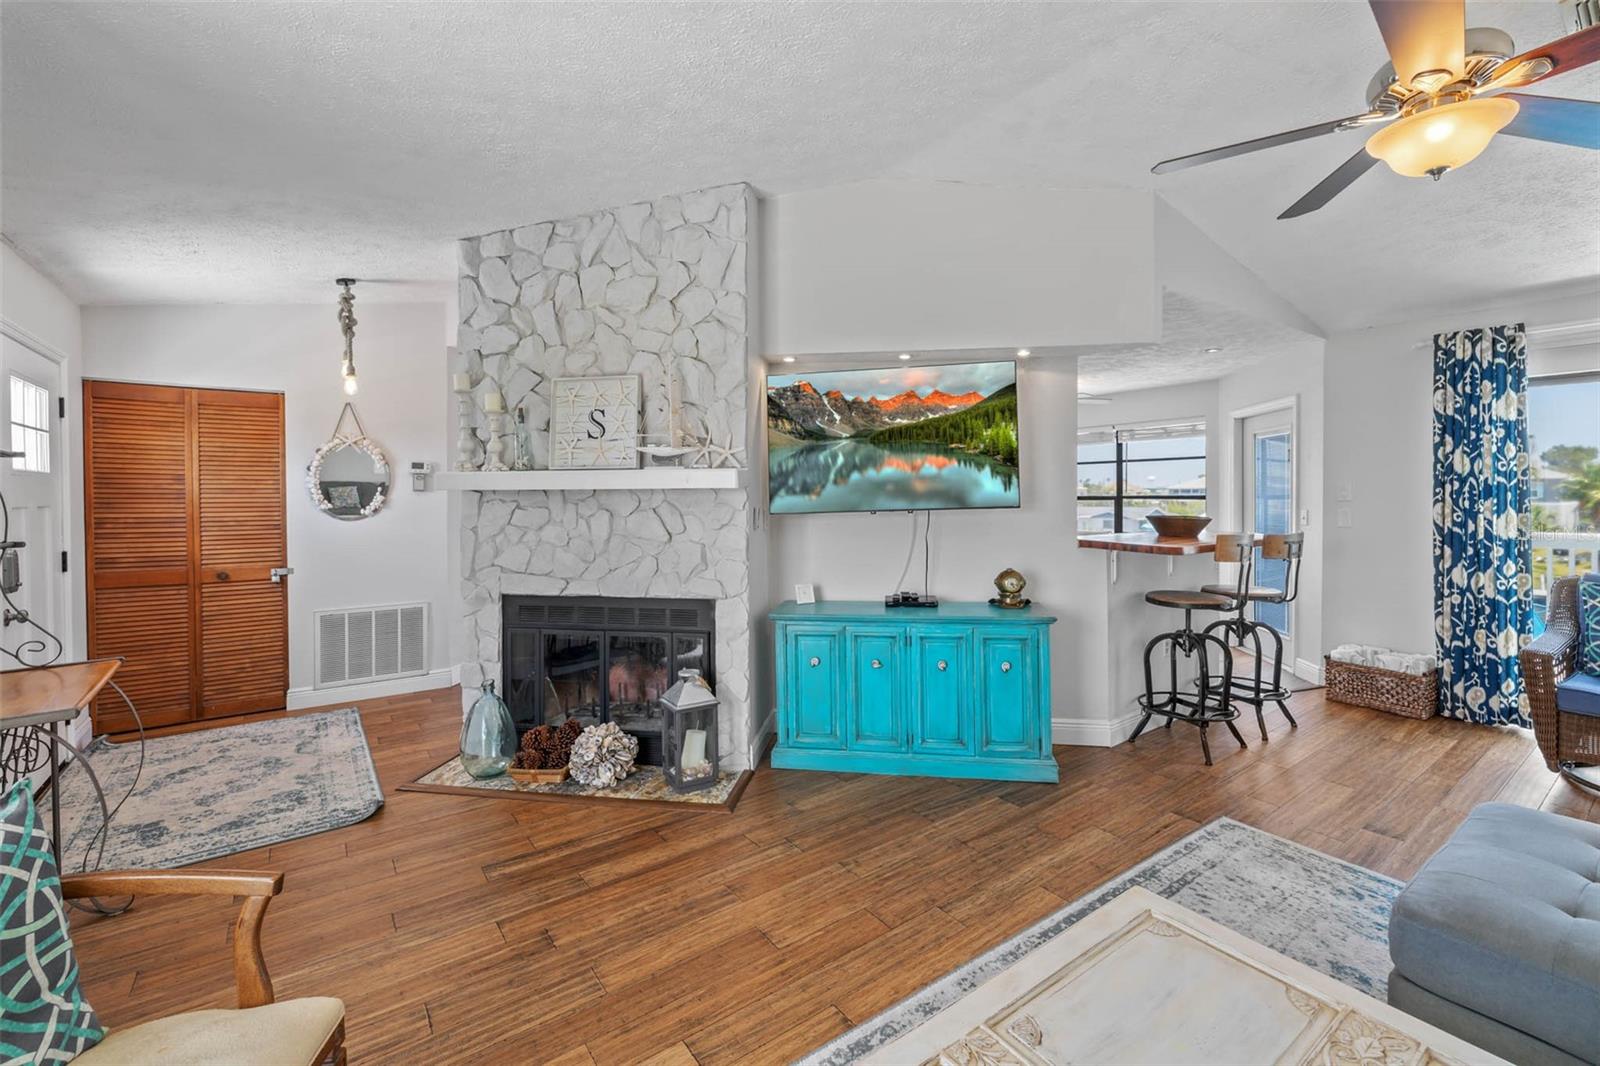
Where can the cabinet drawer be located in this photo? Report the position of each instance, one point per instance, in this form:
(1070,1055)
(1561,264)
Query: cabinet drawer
(812,699)
(875,693)
(1008,694)
(942,684)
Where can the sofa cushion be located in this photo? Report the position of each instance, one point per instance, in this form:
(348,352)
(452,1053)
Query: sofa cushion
(43,1015)
(1579,694)
(279,1034)
(1505,921)
(1589,623)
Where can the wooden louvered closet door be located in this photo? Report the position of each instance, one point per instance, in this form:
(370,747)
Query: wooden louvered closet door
(184,521)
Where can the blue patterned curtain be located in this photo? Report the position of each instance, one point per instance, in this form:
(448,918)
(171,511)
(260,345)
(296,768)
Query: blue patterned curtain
(1482,551)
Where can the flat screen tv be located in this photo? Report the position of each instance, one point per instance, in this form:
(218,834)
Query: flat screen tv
(900,438)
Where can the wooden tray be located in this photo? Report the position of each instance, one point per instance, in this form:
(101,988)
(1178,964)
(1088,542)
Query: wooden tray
(539,777)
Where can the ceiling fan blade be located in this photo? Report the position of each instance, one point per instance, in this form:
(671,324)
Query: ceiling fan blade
(1567,53)
(1553,118)
(1423,35)
(1332,185)
(1167,166)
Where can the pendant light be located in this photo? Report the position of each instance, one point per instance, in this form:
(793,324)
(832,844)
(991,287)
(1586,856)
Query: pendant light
(347,322)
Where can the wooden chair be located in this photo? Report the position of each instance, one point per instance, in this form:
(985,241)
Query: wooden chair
(309,1030)
(1569,742)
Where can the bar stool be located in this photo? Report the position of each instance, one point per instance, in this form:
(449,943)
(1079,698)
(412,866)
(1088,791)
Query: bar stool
(1254,689)
(1211,699)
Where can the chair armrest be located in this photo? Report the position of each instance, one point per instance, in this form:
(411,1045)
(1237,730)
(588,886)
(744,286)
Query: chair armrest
(1547,662)
(249,967)
(171,883)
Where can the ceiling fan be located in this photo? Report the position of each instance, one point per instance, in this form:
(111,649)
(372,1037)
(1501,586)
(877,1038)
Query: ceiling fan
(1441,99)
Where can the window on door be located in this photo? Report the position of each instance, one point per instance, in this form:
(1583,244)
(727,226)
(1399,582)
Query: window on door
(1126,473)
(30,426)
(1564,451)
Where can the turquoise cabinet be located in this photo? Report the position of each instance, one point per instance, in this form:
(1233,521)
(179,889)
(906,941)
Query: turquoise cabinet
(962,690)
(876,688)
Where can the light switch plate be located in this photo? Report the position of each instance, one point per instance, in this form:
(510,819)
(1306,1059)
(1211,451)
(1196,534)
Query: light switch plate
(1345,494)
(1343,518)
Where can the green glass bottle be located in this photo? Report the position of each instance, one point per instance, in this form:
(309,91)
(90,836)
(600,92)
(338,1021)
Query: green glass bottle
(488,736)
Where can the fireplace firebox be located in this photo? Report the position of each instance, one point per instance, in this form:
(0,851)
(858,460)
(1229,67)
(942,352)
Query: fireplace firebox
(601,659)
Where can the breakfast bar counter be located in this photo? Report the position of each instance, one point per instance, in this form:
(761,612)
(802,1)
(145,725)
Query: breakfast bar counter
(1148,543)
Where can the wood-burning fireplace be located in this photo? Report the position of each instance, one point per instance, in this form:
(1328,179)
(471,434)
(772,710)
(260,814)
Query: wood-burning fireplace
(601,659)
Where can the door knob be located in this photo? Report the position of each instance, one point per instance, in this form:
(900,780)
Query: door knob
(1005,668)
(877,664)
(943,665)
(815,661)
(278,573)
(222,575)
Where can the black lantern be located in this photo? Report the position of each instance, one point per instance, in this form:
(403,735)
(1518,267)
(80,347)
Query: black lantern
(690,729)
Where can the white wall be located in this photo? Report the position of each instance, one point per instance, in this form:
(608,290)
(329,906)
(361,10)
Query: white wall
(398,555)
(1378,442)
(890,265)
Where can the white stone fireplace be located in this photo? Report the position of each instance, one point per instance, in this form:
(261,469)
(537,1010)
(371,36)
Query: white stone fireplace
(650,289)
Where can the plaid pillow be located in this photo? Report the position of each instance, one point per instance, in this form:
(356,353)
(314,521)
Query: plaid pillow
(1589,623)
(43,1015)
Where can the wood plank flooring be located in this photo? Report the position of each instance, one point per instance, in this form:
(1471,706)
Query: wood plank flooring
(460,929)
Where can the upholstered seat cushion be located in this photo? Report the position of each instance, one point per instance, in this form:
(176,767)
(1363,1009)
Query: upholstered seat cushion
(1504,920)
(1579,694)
(279,1034)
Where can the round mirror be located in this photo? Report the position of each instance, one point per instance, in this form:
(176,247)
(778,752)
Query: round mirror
(349,478)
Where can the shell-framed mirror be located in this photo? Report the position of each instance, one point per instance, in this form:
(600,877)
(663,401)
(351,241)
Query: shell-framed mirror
(348,476)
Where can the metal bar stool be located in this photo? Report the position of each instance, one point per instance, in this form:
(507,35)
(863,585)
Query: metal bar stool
(1254,688)
(1210,700)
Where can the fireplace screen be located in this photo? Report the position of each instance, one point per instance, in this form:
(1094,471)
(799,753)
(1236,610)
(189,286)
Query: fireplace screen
(599,659)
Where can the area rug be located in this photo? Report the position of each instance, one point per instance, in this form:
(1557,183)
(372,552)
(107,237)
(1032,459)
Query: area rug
(216,792)
(645,785)
(1329,914)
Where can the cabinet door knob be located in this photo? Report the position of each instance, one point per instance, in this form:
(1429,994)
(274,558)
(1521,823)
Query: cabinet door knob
(222,575)
(815,661)
(877,664)
(1005,668)
(943,665)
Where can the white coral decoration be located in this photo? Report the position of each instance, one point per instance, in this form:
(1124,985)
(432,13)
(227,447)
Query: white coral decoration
(602,755)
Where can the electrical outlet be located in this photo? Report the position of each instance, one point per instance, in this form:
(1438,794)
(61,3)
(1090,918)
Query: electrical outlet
(1342,519)
(1345,493)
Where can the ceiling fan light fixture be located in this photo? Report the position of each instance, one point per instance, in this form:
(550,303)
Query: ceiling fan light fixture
(1428,143)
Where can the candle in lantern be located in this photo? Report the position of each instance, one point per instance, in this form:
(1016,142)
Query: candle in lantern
(461,382)
(694,748)
(494,403)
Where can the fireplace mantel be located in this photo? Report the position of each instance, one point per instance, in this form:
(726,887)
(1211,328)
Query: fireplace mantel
(665,478)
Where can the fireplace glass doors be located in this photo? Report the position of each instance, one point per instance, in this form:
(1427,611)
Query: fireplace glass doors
(600,659)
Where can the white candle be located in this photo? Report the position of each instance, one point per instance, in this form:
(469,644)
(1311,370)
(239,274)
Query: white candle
(694,748)
(494,403)
(461,382)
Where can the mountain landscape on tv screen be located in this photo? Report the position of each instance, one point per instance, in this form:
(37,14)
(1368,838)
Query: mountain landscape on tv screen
(897,439)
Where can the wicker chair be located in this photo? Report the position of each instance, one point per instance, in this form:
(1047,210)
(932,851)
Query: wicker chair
(1569,742)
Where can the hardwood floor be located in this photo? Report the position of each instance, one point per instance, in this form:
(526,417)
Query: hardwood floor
(456,927)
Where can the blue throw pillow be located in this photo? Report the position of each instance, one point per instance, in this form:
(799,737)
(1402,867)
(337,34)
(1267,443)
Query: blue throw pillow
(1589,623)
(43,1015)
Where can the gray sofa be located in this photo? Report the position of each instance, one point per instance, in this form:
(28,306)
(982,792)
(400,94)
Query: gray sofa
(1497,938)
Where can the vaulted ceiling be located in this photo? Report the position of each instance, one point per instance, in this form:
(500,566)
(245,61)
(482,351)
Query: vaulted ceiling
(253,152)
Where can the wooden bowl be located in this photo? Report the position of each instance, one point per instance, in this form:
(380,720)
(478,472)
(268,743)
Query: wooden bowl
(1173,525)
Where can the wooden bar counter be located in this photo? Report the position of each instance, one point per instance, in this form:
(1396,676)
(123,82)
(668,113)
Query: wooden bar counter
(1149,543)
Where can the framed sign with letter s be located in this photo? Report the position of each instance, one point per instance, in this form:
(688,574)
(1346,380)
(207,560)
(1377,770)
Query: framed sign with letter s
(594,423)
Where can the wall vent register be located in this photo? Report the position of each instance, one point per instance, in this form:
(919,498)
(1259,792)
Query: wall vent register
(361,644)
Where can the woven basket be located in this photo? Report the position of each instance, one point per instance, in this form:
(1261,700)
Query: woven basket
(1408,695)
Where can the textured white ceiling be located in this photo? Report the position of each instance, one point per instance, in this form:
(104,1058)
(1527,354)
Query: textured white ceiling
(252,152)
(1188,327)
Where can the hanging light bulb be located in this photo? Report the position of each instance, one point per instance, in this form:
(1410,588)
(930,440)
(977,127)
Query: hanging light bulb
(1428,143)
(347,322)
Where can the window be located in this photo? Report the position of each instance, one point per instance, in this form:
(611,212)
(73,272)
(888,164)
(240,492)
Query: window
(1126,473)
(1564,455)
(30,426)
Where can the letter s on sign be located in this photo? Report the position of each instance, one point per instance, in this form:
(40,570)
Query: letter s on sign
(599,430)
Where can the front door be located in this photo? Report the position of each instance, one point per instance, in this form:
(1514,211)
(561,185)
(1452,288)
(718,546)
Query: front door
(1269,493)
(31,483)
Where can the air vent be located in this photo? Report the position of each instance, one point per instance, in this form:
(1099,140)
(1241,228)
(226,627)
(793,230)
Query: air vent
(361,644)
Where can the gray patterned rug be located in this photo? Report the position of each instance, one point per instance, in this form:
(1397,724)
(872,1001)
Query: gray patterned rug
(1329,914)
(220,791)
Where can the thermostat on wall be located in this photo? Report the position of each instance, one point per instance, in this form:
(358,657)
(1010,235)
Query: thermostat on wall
(419,476)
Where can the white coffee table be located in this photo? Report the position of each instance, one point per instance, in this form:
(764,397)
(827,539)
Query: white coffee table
(1143,980)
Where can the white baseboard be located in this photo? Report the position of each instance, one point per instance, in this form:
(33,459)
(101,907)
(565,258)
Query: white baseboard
(1308,671)
(301,698)
(1094,732)
(758,739)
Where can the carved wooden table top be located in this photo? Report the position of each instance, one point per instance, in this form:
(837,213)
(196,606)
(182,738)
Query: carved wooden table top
(1144,980)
